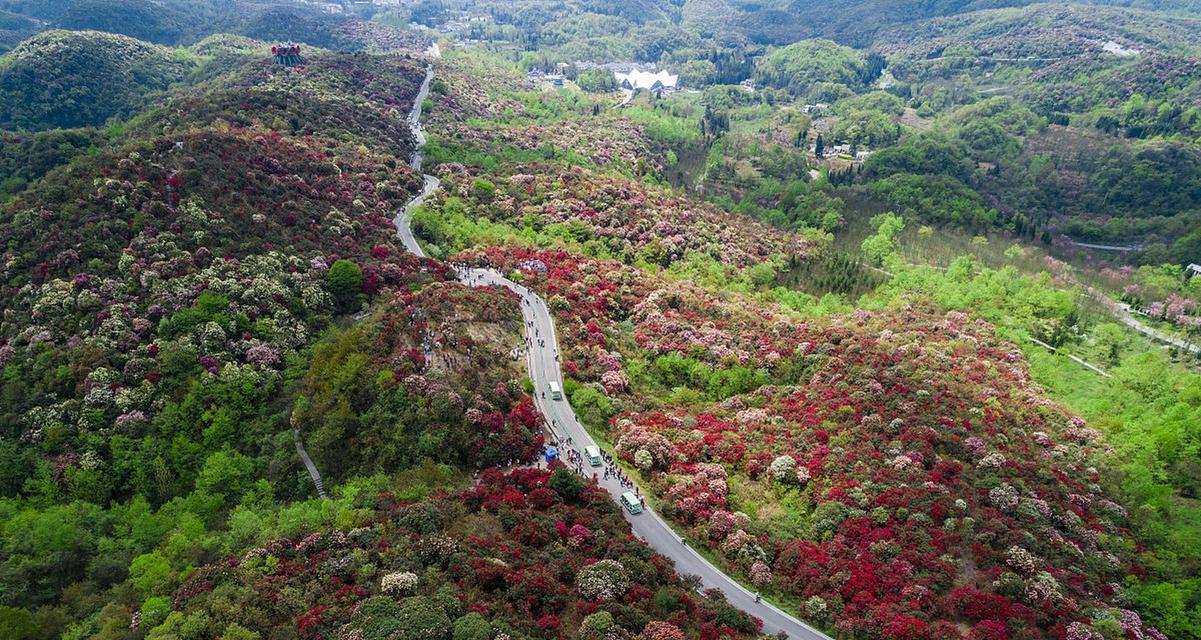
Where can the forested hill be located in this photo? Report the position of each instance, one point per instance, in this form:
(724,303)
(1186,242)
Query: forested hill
(175,22)
(542,23)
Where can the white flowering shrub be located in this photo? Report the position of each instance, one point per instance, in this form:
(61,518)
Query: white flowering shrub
(401,583)
(816,608)
(1003,496)
(783,469)
(1021,560)
(604,580)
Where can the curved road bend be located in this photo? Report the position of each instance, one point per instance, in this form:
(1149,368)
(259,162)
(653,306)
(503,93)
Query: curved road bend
(544,369)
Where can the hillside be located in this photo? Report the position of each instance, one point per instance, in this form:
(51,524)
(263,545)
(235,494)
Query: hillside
(284,345)
(894,473)
(185,22)
(891,481)
(14,28)
(859,22)
(525,554)
(26,157)
(74,79)
(1042,31)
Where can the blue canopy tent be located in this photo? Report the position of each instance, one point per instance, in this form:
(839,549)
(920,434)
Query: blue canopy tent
(552,454)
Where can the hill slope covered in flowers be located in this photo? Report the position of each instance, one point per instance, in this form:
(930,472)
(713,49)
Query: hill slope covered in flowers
(893,472)
(219,280)
(182,297)
(527,554)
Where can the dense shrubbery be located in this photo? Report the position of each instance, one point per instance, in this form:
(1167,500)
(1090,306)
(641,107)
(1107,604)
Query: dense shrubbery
(801,65)
(610,215)
(141,19)
(597,81)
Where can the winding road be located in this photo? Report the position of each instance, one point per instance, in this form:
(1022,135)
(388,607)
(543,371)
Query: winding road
(544,369)
(1122,313)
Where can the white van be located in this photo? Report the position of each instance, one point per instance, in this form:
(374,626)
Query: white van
(593,455)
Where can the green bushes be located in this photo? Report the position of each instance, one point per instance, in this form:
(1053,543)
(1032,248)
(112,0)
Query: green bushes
(345,280)
(597,80)
(935,198)
(592,406)
(877,247)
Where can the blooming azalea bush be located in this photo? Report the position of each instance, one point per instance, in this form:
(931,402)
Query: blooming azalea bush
(401,583)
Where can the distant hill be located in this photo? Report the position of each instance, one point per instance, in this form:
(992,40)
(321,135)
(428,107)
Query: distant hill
(141,19)
(857,22)
(1043,30)
(186,22)
(68,79)
(14,28)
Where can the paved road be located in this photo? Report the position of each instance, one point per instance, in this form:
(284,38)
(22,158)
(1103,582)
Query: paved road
(544,368)
(1106,247)
(1122,312)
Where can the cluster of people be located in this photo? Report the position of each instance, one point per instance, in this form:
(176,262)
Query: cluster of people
(464,273)
(573,458)
(529,341)
(614,471)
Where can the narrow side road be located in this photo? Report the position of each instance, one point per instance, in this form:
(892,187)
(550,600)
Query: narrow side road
(544,369)
(1123,314)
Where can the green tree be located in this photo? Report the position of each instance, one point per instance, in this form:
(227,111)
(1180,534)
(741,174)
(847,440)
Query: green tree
(878,246)
(472,626)
(150,573)
(597,80)
(345,280)
(17,624)
(593,407)
(236,631)
(228,473)
(567,484)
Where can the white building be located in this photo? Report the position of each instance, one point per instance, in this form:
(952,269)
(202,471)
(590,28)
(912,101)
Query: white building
(647,80)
